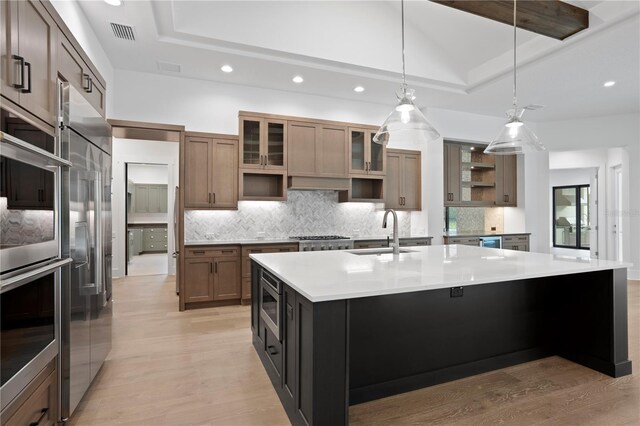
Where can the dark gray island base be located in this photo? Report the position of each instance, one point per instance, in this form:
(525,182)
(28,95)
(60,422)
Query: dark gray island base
(343,352)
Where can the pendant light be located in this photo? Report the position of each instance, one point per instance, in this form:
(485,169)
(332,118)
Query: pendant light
(515,137)
(406,122)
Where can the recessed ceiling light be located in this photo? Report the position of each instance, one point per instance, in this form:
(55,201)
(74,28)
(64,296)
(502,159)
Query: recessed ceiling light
(297,79)
(609,83)
(113,2)
(358,89)
(226,68)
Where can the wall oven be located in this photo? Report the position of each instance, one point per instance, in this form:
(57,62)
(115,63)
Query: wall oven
(29,324)
(270,302)
(29,185)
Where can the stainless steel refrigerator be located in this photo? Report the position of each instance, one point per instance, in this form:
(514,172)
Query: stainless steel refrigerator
(86,292)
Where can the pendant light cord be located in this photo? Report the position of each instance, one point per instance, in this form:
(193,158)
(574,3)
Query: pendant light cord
(515,26)
(404,75)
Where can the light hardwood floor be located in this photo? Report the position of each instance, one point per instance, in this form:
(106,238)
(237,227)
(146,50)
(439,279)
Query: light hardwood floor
(199,368)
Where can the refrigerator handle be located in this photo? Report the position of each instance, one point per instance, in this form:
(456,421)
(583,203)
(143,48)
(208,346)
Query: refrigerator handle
(99,238)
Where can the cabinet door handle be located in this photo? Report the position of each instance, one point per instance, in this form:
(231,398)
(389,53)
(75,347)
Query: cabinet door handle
(214,198)
(90,85)
(290,312)
(28,88)
(272,350)
(20,60)
(88,79)
(209,199)
(400,200)
(215,267)
(43,413)
(266,160)
(211,268)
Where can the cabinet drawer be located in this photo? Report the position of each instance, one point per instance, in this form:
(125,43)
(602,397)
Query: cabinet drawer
(413,243)
(464,241)
(213,251)
(370,244)
(37,404)
(517,247)
(265,248)
(515,238)
(273,349)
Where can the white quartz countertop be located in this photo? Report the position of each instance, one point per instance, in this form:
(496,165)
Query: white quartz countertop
(335,275)
(239,242)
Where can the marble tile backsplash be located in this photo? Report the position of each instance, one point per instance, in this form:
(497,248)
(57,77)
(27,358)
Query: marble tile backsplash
(304,213)
(470,218)
(24,226)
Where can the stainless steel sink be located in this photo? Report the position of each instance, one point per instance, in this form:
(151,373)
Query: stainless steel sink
(378,252)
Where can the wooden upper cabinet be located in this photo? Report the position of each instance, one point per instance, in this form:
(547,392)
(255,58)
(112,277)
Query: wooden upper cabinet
(211,172)
(28,42)
(403,188)
(506,180)
(263,143)
(452,174)
(365,156)
(74,70)
(317,150)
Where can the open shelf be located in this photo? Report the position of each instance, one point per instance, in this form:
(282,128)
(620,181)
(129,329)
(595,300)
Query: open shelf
(262,186)
(363,190)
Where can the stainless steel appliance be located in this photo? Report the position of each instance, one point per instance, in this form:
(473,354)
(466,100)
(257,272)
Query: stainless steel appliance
(491,242)
(29,323)
(29,192)
(86,303)
(323,242)
(270,302)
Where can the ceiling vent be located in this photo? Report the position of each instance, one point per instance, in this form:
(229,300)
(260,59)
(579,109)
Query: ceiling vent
(168,67)
(124,32)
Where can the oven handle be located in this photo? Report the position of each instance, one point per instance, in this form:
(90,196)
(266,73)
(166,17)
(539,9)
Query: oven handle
(26,277)
(24,146)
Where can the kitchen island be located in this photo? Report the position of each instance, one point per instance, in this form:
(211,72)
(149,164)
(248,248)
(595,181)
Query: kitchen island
(335,329)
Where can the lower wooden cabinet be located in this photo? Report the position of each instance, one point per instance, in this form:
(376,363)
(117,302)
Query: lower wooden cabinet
(37,404)
(246,262)
(212,274)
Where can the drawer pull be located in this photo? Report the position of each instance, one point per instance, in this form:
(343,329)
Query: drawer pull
(198,252)
(227,251)
(272,350)
(255,251)
(43,413)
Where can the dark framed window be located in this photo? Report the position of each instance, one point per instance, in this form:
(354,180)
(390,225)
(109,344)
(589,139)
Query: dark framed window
(571,219)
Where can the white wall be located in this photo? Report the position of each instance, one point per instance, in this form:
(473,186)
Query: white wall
(140,151)
(609,133)
(77,22)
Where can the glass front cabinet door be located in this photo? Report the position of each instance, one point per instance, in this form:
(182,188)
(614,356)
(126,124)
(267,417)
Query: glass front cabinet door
(262,143)
(366,156)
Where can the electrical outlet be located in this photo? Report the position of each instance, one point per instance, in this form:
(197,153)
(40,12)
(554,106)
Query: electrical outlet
(210,236)
(260,235)
(355,233)
(493,228)
(457,291)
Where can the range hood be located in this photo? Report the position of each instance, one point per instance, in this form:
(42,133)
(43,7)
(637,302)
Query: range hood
(318,183)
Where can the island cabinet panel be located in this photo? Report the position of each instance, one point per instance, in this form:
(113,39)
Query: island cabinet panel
(310,373)
(337,353)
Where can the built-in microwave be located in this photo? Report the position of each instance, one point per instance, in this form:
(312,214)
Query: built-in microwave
(29,192)
(270,303)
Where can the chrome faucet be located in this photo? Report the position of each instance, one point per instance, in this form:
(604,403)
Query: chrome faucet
(396,240)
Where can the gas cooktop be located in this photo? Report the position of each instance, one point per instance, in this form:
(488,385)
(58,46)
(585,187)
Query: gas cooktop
(319,237)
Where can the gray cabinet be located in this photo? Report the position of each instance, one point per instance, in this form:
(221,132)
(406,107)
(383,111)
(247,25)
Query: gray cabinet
(150,198)
(155,240)
(515,242)
(465,241)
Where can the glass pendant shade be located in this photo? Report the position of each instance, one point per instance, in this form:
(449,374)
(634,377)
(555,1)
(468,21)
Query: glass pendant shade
(406,123)
(514,137)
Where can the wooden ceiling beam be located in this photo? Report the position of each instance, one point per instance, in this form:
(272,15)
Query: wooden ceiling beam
(551,18)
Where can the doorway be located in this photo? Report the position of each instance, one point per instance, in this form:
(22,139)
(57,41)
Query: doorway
(147,219)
